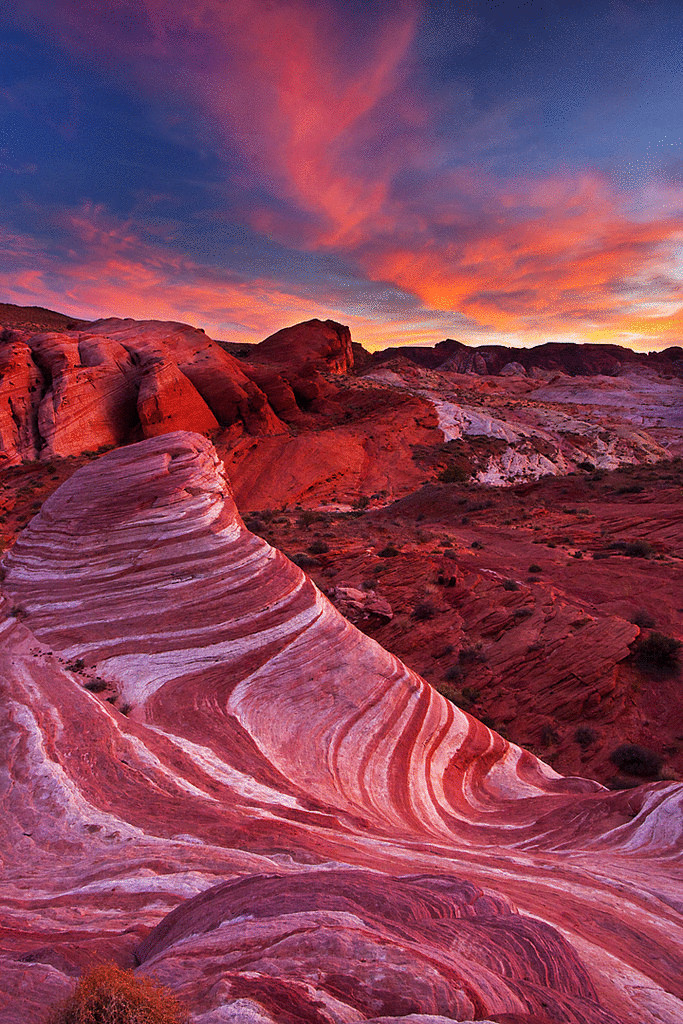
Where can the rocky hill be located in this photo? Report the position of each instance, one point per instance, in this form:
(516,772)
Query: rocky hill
(211,774)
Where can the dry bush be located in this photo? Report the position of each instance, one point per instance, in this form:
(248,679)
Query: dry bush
(109,995)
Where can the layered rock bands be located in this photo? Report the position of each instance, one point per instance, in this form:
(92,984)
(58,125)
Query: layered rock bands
(210,773)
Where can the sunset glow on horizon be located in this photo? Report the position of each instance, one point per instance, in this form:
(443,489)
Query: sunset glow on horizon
(497,173)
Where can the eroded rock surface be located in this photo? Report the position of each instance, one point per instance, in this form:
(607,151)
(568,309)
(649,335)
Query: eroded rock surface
(276,813)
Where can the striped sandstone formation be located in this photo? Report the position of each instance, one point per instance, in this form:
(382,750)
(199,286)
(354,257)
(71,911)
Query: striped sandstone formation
(287,824)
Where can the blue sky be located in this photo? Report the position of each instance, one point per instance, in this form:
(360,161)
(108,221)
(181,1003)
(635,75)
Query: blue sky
(489,171)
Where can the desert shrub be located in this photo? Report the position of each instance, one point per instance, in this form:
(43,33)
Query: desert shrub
(471,655)
(638,549)
(109,995)
(389,551)
(304,561)
(586,466)
(535,568)
(424,610)
(636,760)
(523,613)
(455,473)
(510,585)
(318,547)
(476,545)
(643,619)
(76,665)
(96,685)
(453,674)
(307,517)
(584,736)
(464,698)
(362,502)
(658,652)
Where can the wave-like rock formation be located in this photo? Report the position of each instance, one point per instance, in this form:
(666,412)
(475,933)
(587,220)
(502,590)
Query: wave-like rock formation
(208,769)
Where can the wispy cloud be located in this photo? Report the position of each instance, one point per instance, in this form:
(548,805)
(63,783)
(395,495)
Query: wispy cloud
(332,140)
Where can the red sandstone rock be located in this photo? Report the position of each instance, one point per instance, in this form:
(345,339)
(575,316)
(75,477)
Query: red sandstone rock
(322,343)
(330,835)
(167,401)
(20,391)
(86,406)
(217,376)
(69,391)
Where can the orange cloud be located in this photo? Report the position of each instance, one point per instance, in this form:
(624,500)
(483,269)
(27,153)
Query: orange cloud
(330,147)
(564,256)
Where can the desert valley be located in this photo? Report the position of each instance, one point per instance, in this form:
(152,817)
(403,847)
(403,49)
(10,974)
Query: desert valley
(341,685)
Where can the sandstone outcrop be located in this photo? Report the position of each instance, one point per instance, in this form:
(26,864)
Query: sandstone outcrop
(20,391)
(324,344)
(276,816)
(167,401)
(114,381)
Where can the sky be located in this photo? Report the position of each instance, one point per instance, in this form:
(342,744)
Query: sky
(493,172)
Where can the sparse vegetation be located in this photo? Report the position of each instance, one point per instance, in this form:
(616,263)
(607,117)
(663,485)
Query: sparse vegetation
(643,619)
(534,568)
(471,655)
(307,518)
(636,760)
(318,547)
(424,610)
(304,561)
(107,994)
(454,473)
(658,653)
(585,736)
(510,585)
(389,551)
(96,685)
(454,674)
(638,549)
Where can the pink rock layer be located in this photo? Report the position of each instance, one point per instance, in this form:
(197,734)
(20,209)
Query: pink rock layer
(287,824)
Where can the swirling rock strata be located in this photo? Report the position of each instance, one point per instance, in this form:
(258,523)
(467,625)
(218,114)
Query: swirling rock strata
(334,841)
